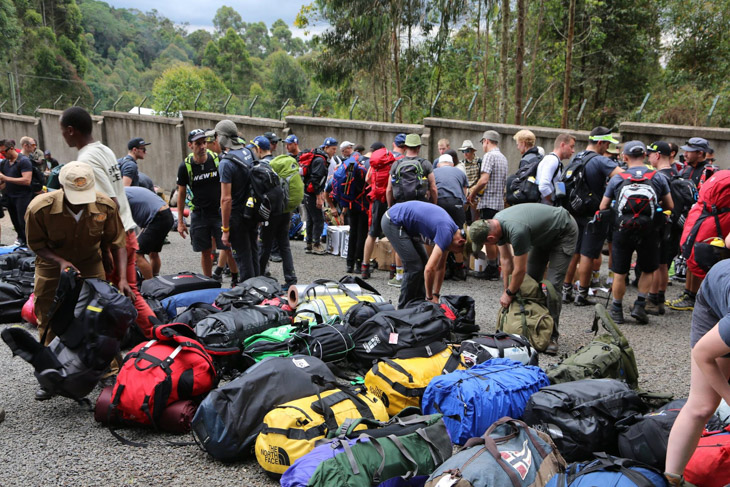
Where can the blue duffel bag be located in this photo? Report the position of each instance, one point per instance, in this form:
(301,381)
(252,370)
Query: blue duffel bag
(181,301)
(609,471)
(471,400)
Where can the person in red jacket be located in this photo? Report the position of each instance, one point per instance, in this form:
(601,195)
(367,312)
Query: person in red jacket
(377,177)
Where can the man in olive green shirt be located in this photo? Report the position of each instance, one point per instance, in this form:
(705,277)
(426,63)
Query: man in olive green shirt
(531,237)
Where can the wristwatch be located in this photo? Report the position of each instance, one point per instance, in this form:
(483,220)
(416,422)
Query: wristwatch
(509,293)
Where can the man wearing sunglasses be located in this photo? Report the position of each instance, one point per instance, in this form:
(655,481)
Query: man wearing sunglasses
(16,172)
(137,148)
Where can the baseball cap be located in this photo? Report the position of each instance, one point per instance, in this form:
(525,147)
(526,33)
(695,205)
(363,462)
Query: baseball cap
(136,143)
(661,147)
(346,143)
(228,135)
(376,145)
(291,139)
(262,142)
(413,140)
(47,153)
(600,134)
(466,145)
(478,233)
(273,138)
(492,135)
(634,148)
(400,140)
(210,135)
(79,186)
(696,144)
(329,142)
(194,135)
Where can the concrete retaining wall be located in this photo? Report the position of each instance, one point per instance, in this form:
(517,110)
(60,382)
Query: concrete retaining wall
(166,136)
(719,138)
(16,126)
(52,138)
(312,131)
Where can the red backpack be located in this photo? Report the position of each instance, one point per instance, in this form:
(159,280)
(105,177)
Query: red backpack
(170,367)
(380,162)
(305,159)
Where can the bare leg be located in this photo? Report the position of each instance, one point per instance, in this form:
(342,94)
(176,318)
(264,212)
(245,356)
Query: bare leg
(368,251)
(231,261)
(619,286)
(156,263)
(572,267)
(584,271)
(144,267)
(206,262)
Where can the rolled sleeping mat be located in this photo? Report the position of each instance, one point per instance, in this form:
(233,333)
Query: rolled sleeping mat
(176,417)
(296,292)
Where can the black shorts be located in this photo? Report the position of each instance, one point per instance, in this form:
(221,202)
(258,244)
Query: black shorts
(590,238)
(153,236)
(487,213)
(204,227)
(646,247)
(669,248)
(378,209)
(455,208)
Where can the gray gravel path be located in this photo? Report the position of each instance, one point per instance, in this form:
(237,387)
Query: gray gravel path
(58,443)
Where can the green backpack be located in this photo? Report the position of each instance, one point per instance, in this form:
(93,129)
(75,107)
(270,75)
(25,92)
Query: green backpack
(287,168)
(608,356)
(273,342)
(532,314)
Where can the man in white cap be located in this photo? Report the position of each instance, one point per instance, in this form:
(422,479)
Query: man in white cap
(346,149)
(76,227)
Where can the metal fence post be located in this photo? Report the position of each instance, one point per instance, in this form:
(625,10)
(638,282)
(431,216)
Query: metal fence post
(3,104)
(76,101)
(435,101)
(250,107)
(167,108)
(641,108)
(57,100)
(139,107)
(114,106)
(19,107)
(281,110)
(195,103)
(225,104)
(93,109)
(316,102)
(471,104)
(712,109)
(580,112)
(395,109)
(354,102)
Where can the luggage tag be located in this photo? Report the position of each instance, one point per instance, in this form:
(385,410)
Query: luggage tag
(301,363)
(393,339)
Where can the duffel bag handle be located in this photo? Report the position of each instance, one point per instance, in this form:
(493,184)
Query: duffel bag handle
(516,425)
(622,465)
(324,282)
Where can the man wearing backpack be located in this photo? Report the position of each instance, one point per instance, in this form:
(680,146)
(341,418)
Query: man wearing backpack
(137,149)
(313,168)
(550,169)
(472,166)
(399,145)
(525,140)
(695,156)
(585,181)
(637,195)
(16,172)
(333,160)
(238,227)
(489,191)
(684,194)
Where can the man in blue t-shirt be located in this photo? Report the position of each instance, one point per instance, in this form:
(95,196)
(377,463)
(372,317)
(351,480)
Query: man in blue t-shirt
(643,239)
(16,173)
(408,226)
(137,149)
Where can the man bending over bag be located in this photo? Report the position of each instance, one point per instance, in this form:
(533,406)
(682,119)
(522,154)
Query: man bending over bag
(73,227)
(408,225)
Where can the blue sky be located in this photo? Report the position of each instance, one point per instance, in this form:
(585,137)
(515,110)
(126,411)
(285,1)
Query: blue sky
(200,14)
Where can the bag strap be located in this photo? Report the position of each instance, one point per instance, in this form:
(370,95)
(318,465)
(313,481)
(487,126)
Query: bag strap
(622,465)
(429,350)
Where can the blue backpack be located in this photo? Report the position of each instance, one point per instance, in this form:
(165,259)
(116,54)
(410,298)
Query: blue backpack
(181,301)
(296,226)
(348,183)
(471,400)
(609,471)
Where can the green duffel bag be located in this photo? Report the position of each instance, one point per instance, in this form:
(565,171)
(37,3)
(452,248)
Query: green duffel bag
(273,342)
(608,356)
(373,460)
(532,314)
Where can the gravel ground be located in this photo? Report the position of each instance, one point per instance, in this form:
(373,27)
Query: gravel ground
(58,443)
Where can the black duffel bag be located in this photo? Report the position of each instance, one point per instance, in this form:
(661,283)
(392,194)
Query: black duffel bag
(15,289)
(196,312)
(329,342)
(390,332)
(464,324)
(222,334)
(363,311)
(581,416)
(249,292)
(162,287)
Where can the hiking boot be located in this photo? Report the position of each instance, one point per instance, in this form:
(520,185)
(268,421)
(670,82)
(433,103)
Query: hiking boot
(43,395)
(350,269)
(653,308)
(567,294)
(217,277)
(365,273)
(395,282)
(581,300)
(319,249)
(459,273)
(552,348)
(275,258)
(638,312)
(491,273)
(683,303)
(674,480)
(616,314)
(308,248)
(2,415)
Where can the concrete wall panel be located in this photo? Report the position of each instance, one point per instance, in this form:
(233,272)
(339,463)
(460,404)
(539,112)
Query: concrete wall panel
(52,139)
(249,127)
(14,126)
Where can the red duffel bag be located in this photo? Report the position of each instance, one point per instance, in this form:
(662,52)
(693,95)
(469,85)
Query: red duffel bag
(710,464)
(176,417)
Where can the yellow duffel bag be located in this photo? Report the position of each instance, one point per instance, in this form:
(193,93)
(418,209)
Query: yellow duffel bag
(401,382)
(290,430)
(322,308)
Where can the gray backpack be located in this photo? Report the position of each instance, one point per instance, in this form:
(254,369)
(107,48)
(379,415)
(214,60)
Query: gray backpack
(410,183)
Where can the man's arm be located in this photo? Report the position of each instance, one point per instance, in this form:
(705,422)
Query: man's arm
(389,194)
(24,180)
(434,272)
(127,180)
(478,187)
(605,203)
(518,275)
(120,263)
(182,229)
(432,189)
(545,170)
(506,259)
(226,202)
(667,202)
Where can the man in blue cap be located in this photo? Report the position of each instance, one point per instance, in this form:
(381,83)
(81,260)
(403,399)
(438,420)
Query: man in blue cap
(399,145)
(292,145)
(262,148)
(330,147)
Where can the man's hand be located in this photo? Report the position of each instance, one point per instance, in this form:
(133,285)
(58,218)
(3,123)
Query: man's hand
(226,239)
(64,264)
(182,229)
(320,202)
(126,289)
(505,300)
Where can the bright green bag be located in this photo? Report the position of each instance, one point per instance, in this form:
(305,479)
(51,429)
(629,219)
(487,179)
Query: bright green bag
(273,342)
(287,168)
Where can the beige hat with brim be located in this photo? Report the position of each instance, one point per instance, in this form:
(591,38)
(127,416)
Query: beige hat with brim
(79,185)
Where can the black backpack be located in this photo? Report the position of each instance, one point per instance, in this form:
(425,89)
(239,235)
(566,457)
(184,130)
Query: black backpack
(580,200)
(521,187)
(684,195)
(37,180)
(410,183)
(265,194)
(636,202)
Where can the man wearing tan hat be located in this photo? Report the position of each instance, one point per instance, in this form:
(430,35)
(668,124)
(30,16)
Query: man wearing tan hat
(73,227)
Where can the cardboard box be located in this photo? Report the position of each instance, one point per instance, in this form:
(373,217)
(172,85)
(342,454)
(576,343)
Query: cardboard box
(383,254)
(344,242)
(334,238)
(477,264)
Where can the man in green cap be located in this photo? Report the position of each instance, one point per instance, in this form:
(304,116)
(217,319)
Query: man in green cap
(541,237)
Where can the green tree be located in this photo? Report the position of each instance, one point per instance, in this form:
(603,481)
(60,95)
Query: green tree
(227,18)
(287,78)
(183,83)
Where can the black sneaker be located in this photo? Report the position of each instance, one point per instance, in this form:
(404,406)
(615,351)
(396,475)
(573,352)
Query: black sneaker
(350,269)
(43,395)
(308,248)
(217,277)
(639,314)
(581,300)
(275,258)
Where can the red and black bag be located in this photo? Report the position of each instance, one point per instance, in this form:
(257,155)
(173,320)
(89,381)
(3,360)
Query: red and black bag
(313,170)
(172,366)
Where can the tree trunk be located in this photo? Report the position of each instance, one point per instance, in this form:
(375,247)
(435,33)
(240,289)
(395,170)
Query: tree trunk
(503,54)
(485,64)
(519,61)
(396,64)
(568,64)
(535,46)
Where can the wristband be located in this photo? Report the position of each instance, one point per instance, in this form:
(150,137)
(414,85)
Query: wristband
(225,229)
(509,293)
